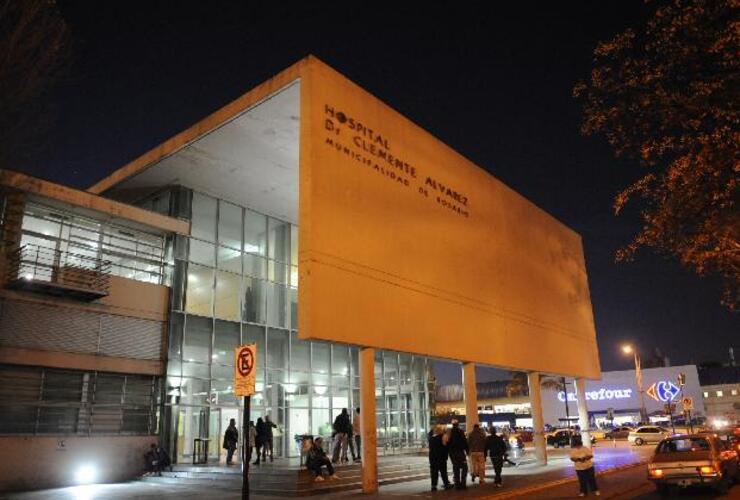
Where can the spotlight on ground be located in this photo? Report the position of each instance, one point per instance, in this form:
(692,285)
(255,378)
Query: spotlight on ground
(85,474)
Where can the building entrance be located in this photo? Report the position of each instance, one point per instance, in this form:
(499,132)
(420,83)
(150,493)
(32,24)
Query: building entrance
(218,421)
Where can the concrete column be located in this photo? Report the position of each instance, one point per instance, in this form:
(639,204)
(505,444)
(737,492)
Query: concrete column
(583,422)
(538,422)
(368,422)
(471,396)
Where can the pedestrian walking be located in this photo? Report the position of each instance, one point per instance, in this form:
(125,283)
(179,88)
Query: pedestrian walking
(252,436)
(457,447)
(496,448)
(316,459)
(583,460)
(438,457)
(477,446)
(259,438)
(356,430)
(342,429)
(231,438)
(268,442)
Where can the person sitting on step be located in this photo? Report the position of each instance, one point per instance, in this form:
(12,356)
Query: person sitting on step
(316,459)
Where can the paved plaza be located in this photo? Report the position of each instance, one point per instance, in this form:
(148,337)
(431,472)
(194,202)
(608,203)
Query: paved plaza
(518,481)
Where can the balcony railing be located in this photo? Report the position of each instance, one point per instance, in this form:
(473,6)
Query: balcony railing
(54,272)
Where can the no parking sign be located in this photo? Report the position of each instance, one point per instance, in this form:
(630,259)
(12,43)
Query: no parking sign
(245,364)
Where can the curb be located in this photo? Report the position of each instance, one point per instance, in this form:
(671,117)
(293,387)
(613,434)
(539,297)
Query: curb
(531,489)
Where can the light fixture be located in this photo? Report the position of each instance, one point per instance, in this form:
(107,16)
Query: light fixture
(85,474)
(290,388)
(319,389)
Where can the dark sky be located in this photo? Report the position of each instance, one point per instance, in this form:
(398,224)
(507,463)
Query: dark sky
(492,82)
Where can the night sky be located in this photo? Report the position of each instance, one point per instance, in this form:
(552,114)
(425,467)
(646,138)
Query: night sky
(493,84)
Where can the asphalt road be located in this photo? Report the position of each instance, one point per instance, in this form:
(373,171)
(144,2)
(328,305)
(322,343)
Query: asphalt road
(628,484)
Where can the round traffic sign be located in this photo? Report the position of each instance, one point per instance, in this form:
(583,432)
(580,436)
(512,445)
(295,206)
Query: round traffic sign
(245,361)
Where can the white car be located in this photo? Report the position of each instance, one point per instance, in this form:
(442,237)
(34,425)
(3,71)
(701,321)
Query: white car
(647,434)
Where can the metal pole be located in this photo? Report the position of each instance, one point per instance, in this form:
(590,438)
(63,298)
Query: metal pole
(638,376)
(245,449)
(565,391)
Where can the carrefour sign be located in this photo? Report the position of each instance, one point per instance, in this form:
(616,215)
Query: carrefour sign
(600,395)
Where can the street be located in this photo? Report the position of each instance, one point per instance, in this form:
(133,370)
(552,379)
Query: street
(630,483)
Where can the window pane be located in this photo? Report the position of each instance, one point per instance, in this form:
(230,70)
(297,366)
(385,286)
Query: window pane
(202,252)
(199,290)
(293,292)
(320,357)
(230,259)
(294,245)
(277,298)
(225,340)
(277,348)
(255,230)
(279,242)
(203,221)
(197,342)
(254,302)
(230,225)
(227,296)
(252,334)
(300,353)
(277,272)
(194,391)
(174,348)
(255,266)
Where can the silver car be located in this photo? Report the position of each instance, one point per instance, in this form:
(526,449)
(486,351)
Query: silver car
(647,434)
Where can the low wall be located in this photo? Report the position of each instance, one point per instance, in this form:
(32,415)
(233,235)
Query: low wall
(33,462)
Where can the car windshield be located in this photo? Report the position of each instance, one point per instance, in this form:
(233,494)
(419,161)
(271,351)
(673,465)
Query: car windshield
(683,445)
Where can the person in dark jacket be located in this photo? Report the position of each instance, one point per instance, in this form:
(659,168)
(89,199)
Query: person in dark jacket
(267,443)
(231,438)
(342,430)
(156,460)
(458,449)
(496,448)
(316,459)
(259,438)
(438,457)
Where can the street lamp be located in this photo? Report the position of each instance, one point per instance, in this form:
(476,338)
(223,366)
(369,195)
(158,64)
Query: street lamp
(630,349)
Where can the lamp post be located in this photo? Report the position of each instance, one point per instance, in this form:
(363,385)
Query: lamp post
(629,349)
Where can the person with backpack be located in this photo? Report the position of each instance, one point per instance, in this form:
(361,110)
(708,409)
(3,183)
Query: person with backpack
(438,457)
(458,450)
(496,448)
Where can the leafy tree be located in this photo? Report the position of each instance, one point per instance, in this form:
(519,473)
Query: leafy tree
(666,95)
(34,52)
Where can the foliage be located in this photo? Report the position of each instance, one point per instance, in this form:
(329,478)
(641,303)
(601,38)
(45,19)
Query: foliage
(518,384)
(34,52)
(666,95)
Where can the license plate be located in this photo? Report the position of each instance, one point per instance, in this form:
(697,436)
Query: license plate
(684,482)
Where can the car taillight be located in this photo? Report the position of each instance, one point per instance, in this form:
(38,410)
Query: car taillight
(708,470)
(656,472)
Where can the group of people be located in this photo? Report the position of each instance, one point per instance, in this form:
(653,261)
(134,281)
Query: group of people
(259,436)
(460,448)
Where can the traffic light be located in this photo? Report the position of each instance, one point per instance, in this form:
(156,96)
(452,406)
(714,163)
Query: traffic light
(681,379)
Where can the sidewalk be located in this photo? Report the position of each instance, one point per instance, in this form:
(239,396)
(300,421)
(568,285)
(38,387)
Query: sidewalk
(517,481)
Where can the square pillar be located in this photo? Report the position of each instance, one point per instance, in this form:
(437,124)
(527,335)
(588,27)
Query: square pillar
(583,421)
(368,421)
(471,396)
(538,422)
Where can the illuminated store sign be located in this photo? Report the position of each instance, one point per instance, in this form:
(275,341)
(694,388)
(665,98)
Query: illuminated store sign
(663,391)
(600,395)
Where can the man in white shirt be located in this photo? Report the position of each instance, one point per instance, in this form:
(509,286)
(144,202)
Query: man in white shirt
(583,460)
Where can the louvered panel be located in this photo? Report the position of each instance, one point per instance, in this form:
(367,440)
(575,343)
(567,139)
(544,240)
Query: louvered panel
(37,326)
(130,337)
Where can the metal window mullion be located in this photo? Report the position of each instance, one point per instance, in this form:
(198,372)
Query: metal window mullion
(40,401)
(122,402)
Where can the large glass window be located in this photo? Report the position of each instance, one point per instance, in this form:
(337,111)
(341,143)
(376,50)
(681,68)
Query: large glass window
(255,300)
(203,217)
(199,292)
(225,340)
(230,225)
(255,232)
(279,240)
(228,293)
(197,341)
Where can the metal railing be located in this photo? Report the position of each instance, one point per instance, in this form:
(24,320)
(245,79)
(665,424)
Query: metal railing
(34,263)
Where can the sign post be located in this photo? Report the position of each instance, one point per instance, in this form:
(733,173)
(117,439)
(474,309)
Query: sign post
(245,363)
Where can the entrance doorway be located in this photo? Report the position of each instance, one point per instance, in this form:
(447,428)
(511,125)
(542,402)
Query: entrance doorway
(217,423)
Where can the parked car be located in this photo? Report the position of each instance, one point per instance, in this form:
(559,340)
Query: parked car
(647,434)
(563,438)
(695,459)
(618,433)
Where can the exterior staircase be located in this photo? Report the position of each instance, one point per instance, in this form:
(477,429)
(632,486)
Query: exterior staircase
(291,480)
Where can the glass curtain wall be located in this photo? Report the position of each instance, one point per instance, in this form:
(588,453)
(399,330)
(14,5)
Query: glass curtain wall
(236,282)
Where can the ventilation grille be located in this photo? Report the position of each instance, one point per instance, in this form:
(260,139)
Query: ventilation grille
(48,328)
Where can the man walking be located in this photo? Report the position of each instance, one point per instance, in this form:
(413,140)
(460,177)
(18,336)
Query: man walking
(268,440)
(496,448)
(231,438)
(438,457)
(342,429)
(458,449)
(477,444)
